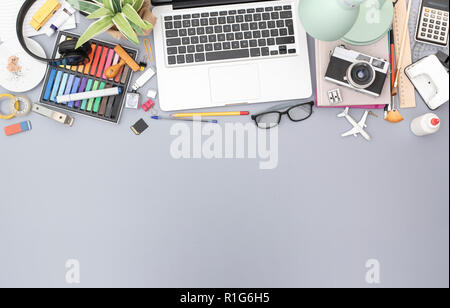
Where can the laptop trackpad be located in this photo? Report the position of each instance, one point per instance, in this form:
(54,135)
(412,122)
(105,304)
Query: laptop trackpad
(235,84)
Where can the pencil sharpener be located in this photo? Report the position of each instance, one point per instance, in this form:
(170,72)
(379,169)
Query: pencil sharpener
(335,97)
(132,100)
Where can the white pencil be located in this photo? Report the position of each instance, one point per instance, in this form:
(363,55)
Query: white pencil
(87,95)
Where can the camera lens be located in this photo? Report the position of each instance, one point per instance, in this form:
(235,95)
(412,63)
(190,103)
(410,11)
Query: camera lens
(361,75)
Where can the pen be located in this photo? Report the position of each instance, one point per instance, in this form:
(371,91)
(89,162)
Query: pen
(209,114)
(181,119)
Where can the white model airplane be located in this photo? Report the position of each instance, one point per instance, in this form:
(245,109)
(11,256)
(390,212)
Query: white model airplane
(358,128)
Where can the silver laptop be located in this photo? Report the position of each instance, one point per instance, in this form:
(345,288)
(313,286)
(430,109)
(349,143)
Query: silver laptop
(212,53)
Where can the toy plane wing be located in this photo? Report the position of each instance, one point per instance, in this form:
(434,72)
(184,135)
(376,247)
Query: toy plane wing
(362,123)
(355,131)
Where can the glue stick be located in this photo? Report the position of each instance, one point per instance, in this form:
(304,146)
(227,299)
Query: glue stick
(425,125)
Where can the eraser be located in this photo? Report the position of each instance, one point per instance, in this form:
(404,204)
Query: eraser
(18,128)
(152,94)
(148,105)
(139,127)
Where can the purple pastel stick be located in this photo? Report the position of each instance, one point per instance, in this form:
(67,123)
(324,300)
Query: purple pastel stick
(82,88)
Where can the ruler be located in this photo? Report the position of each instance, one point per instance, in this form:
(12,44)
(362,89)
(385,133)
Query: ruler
(406,91)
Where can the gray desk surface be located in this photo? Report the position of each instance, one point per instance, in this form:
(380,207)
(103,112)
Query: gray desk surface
(134,216)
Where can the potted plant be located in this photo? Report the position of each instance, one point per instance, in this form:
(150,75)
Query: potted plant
(127,18)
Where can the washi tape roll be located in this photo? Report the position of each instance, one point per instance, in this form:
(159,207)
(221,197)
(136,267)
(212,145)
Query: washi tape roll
(13,101)
(21,106)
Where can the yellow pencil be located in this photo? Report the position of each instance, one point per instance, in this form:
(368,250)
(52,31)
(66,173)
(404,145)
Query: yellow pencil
(210,114)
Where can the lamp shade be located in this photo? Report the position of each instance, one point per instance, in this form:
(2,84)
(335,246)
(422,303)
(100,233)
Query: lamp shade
(328,20)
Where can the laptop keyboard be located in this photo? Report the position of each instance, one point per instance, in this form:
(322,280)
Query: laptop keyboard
(229,35)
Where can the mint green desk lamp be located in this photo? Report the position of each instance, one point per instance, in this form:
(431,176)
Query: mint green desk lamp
(356,22)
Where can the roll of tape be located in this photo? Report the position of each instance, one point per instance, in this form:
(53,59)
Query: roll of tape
(21,106)
(13,101)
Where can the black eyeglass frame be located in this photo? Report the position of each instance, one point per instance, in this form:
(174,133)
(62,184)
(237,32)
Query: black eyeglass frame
(286,112)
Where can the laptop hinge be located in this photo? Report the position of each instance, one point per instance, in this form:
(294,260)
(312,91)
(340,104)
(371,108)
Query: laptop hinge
(178,5)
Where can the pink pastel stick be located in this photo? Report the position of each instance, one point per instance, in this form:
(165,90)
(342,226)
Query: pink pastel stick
(108,62)
(116,60)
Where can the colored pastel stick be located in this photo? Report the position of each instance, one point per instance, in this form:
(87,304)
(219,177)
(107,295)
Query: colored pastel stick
(76,85)
(116,60)
(110,106)
(88,88)
(98,99)
(91,100)
(126,70)
(80,69)
(82,89)
(119,75)
(101,64)
(98,53)
(102,109)
(62,87)
(87,67)
(57,82)
(108,62)
(69,85)
(50,83)
(91,94)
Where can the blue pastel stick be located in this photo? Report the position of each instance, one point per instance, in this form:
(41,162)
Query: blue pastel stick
(69,86)
(76,85)
(62,87)
(51,80)
(57,82)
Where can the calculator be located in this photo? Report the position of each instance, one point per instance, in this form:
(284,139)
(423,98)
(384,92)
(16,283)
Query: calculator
(432,26)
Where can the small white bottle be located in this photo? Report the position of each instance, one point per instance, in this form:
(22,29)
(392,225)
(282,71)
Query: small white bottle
(425,125)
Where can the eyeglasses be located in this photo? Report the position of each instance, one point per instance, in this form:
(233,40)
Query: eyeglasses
(272,118)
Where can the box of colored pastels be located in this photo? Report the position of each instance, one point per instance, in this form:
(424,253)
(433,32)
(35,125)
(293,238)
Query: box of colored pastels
(64,80)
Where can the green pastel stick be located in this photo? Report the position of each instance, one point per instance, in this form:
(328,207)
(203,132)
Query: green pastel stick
(91,100)
(88,88)
(98,100)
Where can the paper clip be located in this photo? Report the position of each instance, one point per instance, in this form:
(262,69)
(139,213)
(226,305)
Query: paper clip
(149,50)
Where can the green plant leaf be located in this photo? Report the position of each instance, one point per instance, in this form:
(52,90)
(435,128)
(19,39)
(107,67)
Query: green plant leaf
(109,5)
(101,12)
(134,17)
(138,5)
(125,28)
(128,2)
(96,28)
(100,2)
(84,6)
(136,28)
(117,6)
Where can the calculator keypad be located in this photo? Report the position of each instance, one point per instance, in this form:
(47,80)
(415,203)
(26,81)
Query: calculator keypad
(433,26)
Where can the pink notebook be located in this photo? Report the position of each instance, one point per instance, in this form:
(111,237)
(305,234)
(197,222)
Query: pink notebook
(351,98)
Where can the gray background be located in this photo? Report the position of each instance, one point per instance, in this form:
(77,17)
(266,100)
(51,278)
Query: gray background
(135,217)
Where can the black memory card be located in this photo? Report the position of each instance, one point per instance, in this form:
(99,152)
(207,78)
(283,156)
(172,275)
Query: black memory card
(139,127)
